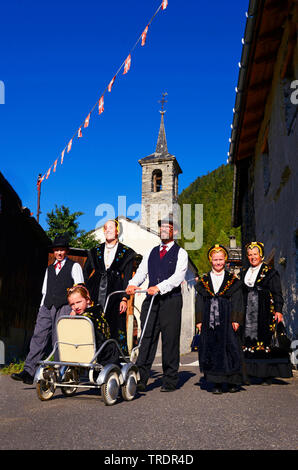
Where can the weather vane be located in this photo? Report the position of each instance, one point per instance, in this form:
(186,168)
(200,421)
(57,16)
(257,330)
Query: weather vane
(163,101)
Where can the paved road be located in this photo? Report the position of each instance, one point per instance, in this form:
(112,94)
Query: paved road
(190,418)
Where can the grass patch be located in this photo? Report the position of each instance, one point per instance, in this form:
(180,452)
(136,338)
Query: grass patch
(12,368)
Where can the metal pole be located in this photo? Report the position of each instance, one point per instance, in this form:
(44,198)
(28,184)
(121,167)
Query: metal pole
(38,196)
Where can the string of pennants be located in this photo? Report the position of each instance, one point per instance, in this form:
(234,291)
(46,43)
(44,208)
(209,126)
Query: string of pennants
(100,103)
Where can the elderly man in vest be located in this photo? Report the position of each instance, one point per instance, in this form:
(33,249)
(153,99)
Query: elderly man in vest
(165,266)
(59,276)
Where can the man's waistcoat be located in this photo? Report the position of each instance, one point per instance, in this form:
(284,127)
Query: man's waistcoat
(57,285)
(161,269)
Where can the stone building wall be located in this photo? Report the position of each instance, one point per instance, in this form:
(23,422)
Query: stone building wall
(275,186)
(158,204)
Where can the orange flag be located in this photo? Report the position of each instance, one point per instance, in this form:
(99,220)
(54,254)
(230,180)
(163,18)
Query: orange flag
(100,106)
(69,145)
(127,64)
(80,132)
(111,83)
(144,35)
(55,164)
(164,4)
(48,173)
(62,156)
(86,124)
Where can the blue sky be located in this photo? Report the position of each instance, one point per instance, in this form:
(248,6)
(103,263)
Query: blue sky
(57,59)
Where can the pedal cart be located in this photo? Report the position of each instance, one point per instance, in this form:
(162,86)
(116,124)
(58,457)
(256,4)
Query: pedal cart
(78,366)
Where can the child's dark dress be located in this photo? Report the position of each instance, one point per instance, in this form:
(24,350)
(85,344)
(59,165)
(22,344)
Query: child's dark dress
(110,353)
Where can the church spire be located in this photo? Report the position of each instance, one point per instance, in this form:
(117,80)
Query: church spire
(161,146)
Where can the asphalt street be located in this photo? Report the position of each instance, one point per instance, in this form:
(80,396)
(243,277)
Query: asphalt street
(190,418)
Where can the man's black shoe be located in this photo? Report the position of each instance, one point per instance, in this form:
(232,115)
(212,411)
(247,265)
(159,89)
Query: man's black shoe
(167,388)
(141,387)
(24,377)
(233,388)
(217,390)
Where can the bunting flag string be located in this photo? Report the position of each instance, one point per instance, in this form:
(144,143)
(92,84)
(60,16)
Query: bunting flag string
(111,83)
(144,36)
(101,106)
(100,103)
(127,64)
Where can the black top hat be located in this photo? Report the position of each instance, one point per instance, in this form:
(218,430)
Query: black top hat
(167,220)
(61,241)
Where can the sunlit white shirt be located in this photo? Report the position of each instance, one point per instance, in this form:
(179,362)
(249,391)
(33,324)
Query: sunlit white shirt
(109,254)
(251,275)
(217,280)
(168,284)
(76,274)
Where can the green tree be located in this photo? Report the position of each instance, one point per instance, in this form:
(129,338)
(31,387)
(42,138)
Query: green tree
(61,221)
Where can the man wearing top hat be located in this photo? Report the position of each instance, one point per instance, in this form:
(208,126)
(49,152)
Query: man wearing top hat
(59,276)
(165,266)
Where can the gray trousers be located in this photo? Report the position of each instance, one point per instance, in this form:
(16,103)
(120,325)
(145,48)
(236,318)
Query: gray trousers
(45,328)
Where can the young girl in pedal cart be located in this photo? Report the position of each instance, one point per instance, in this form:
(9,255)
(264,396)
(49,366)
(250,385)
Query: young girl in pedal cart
(79,300)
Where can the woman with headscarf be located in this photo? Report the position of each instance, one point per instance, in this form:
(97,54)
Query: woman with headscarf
(219,314)
(263,311)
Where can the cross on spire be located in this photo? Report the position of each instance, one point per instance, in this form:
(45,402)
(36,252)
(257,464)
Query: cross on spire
(163,101)
(161,147)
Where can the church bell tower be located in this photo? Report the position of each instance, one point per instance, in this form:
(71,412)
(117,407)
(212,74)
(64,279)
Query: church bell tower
(160,172)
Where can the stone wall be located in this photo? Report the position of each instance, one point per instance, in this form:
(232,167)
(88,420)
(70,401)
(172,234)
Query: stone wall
(158,204)
(275,187)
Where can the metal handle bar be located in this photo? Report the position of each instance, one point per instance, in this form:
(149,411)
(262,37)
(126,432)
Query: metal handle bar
(147,317)
(121,292)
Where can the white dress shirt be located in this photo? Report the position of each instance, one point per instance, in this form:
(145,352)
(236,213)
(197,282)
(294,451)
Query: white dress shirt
(251,275)
(217,280)
(76,273)
(168,284)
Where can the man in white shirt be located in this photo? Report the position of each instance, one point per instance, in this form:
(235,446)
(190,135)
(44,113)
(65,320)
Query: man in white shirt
(165,266)
(59,276)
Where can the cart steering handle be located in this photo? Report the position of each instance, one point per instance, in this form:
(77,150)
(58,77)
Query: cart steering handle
(122,292)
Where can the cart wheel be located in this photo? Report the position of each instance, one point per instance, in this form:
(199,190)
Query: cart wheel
(128,389)
(71,375)
(46,388)
(110,389)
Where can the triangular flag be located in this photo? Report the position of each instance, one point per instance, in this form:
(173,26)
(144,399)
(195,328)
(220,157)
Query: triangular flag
(100,106)
(144,34)
(48,173)
(40,180)
(127,64)
(80,132)
(55,164)
(86,124)
(69,145)
(111,83)
(164,4)
(62,156)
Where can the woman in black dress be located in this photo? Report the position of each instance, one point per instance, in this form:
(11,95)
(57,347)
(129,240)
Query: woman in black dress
(219,314)
(263,310)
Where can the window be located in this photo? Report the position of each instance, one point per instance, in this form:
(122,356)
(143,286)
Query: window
(156,181)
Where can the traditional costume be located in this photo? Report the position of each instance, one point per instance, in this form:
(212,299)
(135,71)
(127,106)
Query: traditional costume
(165,266)
(262,298)
(59,276)
(108,269)
(110,353)
(219,302)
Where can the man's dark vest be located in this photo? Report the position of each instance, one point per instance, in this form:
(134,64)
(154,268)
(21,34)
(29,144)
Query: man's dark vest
(161,269)
(57,285)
